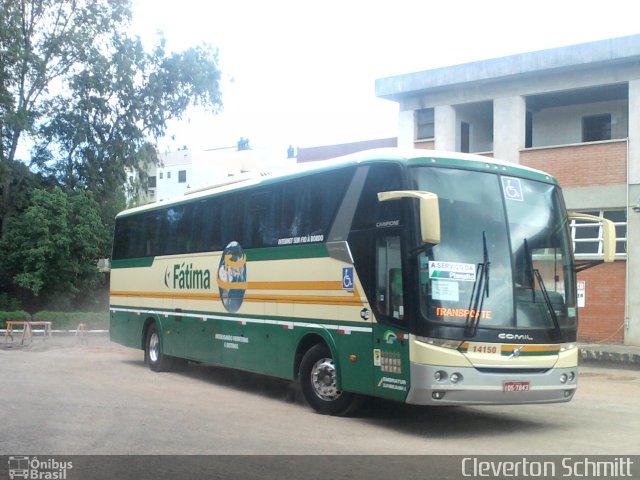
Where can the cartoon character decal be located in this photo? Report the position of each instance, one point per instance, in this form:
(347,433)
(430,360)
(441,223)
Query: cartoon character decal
(232,277)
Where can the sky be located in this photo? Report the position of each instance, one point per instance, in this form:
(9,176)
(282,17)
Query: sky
(303,73)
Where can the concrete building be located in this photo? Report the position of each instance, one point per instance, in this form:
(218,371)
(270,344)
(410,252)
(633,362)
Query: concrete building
(573,112)
(174,174)
(184,170)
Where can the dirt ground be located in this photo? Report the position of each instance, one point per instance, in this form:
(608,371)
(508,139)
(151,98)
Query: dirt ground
(65,396)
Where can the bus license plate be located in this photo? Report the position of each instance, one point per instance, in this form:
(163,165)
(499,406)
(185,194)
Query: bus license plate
(515,387)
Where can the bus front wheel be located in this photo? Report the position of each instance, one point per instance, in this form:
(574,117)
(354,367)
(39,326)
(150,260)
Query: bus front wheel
(157,361)
(318,380)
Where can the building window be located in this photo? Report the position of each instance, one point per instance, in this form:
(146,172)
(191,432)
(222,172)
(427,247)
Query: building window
(425,124)
(465,137)
(168,174)
(596,128)
(152,181)
(587,236)
(160,175)
(182,176)
(528,130)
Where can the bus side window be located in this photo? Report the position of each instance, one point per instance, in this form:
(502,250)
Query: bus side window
(310,203)
(262,217)
(389,291)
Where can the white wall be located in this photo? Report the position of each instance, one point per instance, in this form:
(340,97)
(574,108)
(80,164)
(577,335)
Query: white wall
(169,185)
(563,125)
(480,120)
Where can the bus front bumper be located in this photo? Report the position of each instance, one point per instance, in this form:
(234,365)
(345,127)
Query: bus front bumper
(475,387)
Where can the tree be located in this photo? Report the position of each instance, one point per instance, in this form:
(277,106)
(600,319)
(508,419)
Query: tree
(88,96)
(112,110)
(42,41)
(60,237)
(81,102)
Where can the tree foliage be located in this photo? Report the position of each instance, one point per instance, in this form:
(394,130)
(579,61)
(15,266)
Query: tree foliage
(42,42)
(59,236)
(81,103)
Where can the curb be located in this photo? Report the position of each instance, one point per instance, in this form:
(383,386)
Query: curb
(617,356)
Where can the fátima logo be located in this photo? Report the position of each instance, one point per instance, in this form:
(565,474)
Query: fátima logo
(185,276)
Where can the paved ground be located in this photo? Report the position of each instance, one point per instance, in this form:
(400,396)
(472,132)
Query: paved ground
(62,397)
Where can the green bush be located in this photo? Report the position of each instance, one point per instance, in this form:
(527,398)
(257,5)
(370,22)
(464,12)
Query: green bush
(9,303)
(18,315)
(71,320)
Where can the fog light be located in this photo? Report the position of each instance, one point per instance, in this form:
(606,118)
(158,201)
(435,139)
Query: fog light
(563,378)
(572,376)
(440,375)
(437,395)
(456,377)
(568,393)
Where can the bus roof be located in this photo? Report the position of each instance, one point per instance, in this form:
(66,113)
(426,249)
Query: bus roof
(407,156)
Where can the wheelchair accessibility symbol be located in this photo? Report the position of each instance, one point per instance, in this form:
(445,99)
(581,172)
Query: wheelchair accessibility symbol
(512,189)
(347,278)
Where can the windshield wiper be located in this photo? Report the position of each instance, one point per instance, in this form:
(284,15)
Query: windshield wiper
(533,274)
(530,274)
(479,292)
(547,300)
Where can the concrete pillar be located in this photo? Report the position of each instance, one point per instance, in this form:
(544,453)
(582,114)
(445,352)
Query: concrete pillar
(509,119)
(446,127)
(406,129)
(632,332)
(634,132)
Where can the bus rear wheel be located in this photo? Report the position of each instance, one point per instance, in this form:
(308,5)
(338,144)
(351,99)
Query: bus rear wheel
(157,361)
(318,379)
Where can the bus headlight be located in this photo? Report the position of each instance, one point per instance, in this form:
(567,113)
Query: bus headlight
(440,342)
(567,346)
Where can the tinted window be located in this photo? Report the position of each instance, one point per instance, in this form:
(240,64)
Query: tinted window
(301,210)
(176,230)
(381,178)
(216,222)
(262,217)
(389,292)
(310,204)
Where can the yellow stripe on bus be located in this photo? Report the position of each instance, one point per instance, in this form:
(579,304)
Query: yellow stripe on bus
(232,285)
(321,285)
(353,299)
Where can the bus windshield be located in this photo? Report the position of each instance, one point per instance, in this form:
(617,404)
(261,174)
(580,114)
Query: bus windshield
(504,260)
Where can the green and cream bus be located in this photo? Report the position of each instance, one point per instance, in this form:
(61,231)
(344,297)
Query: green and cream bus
(424,277)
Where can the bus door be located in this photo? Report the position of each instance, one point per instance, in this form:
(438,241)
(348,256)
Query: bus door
(390,330)
(376,240)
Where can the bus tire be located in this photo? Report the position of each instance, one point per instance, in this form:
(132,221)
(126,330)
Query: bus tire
(318,380)
(157,361)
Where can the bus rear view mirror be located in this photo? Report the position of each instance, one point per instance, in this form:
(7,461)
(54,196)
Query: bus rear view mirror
(608,233)
(429,212)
